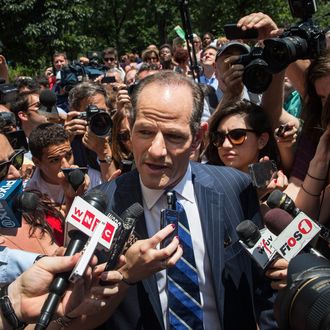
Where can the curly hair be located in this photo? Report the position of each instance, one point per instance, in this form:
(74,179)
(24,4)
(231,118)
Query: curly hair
(46,135)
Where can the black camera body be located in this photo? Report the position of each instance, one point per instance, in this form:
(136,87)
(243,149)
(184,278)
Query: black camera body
(303,41)
(99,120)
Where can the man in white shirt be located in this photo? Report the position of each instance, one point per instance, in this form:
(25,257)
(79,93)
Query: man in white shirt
(166,130)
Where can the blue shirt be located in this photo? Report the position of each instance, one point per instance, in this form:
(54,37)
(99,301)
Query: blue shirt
(13,263)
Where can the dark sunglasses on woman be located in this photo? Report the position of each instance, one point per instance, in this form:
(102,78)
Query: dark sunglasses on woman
(16,159)
(236,137)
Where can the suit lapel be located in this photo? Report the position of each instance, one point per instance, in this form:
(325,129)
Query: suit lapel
(211,212)
(127,194)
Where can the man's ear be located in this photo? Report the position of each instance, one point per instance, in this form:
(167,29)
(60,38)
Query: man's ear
(22,116)
(199,135)
(263,140)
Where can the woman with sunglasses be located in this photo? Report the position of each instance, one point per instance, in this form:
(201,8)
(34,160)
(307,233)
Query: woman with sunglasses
(240,134)
(35,234)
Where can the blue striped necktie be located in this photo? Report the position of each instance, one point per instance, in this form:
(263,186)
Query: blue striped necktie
(184,302)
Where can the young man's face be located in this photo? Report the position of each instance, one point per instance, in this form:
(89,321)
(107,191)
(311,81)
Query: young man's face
(59,62)
(53,159)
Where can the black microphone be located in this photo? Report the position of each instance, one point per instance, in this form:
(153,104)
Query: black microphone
(27,201)
(47,99)
(278,199)
(76,178)
(97,199)
(129,218)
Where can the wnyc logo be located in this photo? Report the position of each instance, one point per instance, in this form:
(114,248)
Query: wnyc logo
(85,217)
(296,236)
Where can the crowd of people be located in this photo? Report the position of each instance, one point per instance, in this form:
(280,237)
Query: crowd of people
(141,126)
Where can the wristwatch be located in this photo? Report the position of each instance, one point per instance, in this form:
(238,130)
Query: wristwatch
(107,159)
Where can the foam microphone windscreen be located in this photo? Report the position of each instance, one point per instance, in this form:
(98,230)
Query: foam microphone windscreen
(28,202)
(275,199)
(97,199)
(276,220)
(76,178)
(47,98)
(248,232)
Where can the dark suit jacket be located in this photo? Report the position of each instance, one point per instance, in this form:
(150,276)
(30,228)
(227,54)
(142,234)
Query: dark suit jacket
(225,197)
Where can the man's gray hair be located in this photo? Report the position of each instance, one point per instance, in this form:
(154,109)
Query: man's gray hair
(171,78)
(83,90)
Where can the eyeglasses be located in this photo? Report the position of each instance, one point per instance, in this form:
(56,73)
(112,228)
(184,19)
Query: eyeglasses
(107,59)
(236,137)
(152,58)
(124,136)
(16,159)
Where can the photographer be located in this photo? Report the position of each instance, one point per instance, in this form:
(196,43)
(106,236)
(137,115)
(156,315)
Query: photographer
(88,149)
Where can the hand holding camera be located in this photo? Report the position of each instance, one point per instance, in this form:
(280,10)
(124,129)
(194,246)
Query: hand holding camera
(74,124)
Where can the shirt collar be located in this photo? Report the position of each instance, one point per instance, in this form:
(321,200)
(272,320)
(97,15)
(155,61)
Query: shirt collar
(184,188)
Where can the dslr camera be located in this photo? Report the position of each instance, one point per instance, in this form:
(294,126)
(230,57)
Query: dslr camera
(303,41)
(99,121)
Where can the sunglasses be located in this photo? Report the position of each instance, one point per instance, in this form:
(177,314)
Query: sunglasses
(124,136)
(236,137)
(16,160)
(107,59)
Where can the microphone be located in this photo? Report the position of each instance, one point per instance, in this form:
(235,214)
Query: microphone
(258,243)
(128,219)
(76,178)
(293,234)
(97,200)
(47,99)
(14,201)
(279,199)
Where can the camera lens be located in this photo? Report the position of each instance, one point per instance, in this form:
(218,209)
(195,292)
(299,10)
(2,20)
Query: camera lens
(256,76)
(100,124)
(306,294)
(279,53)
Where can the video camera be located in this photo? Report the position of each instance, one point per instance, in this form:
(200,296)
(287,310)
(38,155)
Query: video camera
(304,302)
(303,41)
(99,120)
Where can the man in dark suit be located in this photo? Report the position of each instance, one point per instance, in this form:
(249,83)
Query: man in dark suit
(232,292)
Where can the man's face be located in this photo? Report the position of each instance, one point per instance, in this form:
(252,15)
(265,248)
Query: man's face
(6,152)
(208,57)
(161,136)
(109,60)
(165,54)
(97,99)
(53,159)
(59,62)
(33,115)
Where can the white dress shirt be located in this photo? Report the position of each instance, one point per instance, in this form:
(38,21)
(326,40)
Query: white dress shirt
(153,202)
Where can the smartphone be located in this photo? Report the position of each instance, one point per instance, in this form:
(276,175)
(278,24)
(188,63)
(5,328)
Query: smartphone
(68,170)
(17,140)
(126,165)
(282,129)
(108,80)
(167,217)
(262,173)
(234,32)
